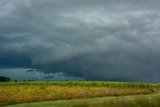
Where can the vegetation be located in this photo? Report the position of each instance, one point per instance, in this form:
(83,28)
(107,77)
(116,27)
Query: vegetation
(86,83)
(152,100)
(23,92)
(4,79)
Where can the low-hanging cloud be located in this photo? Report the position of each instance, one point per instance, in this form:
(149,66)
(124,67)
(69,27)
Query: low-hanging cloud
(93,39)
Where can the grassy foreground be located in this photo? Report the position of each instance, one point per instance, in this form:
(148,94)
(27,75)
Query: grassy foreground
(152,100)
(25,92)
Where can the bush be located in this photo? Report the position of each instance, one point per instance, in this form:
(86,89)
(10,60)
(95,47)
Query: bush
(4,79)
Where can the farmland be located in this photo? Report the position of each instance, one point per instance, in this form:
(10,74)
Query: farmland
(152,100)
(26,92)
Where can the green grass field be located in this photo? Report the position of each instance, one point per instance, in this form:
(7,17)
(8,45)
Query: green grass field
(27,92)
(120,101)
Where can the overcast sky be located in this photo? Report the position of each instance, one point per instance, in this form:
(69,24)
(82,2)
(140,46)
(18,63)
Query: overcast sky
(92,39)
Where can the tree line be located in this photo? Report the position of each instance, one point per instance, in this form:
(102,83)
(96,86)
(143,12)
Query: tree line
(4,79)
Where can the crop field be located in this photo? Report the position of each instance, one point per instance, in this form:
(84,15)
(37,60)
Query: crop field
(26,92)
(152,100)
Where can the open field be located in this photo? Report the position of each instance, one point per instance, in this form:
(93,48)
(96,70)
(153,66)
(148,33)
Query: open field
(24,92)
(119,101)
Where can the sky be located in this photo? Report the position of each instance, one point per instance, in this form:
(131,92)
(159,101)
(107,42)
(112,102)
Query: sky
(109,40)
(28,74)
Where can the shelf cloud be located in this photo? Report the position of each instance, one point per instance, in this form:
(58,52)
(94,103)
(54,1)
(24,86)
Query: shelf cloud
(94,39)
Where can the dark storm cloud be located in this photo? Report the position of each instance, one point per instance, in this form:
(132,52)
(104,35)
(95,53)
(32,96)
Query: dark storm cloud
(94,39)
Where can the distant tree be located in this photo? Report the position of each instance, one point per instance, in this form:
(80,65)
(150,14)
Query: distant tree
(8,79)
(29,80)
(4,79)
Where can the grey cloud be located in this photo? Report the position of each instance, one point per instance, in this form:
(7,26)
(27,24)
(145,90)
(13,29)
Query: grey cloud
(97,40)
